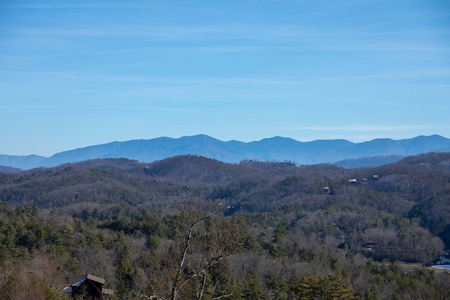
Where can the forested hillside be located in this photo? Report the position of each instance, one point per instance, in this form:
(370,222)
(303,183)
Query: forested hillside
(195,228)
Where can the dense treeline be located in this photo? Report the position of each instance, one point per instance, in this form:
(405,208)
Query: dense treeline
(195,228)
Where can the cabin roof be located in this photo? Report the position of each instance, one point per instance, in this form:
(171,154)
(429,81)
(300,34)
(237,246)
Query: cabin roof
(79,280)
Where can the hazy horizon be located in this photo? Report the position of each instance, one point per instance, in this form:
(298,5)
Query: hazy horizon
(200,134)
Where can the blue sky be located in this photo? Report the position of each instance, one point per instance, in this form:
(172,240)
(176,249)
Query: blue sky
(78,73)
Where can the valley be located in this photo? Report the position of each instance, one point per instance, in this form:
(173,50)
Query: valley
(188,225)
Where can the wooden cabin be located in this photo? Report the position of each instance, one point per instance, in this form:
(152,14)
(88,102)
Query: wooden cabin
(88,287)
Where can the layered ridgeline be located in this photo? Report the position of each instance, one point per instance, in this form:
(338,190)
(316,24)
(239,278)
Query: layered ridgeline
(277,149)
(190,227)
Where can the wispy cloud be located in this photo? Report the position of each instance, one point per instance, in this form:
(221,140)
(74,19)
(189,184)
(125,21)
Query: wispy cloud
(226,30)
(236,38)
(361,128)
(74,5)
(156,32)
(417,73)
(108,78)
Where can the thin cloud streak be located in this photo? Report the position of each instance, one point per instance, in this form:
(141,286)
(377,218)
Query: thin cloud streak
(349,79)
(358,128)
(261,38)
(223,31)
(78,5)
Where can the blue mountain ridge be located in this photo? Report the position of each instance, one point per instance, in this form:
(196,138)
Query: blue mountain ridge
(268,149)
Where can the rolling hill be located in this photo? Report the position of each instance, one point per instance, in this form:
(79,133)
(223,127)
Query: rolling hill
(97,214)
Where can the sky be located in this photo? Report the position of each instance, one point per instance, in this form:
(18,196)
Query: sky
(80,73)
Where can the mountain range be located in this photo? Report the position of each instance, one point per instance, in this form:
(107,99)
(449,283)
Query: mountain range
(340,152)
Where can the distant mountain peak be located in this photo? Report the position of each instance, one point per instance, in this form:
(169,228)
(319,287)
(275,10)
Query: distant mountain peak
(276,148)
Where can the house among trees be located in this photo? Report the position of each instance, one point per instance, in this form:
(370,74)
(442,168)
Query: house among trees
(88,287)
(327,190)
(443,260)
